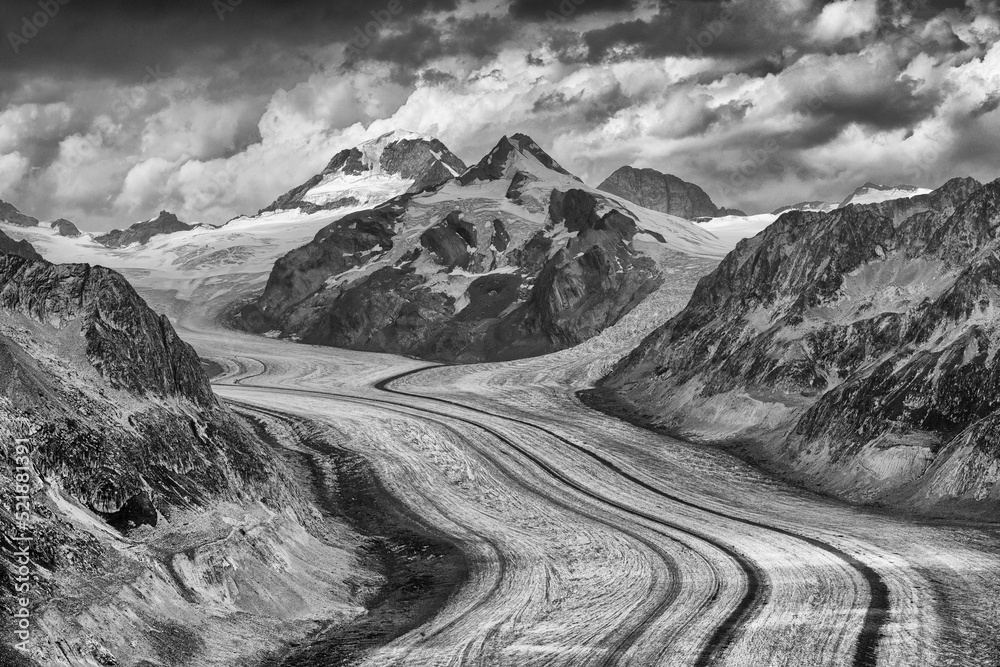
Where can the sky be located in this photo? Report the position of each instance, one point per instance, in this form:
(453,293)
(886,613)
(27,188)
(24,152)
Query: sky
(111,111)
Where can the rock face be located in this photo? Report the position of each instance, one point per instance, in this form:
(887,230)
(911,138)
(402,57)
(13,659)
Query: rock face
(856,350)
(108,425)
(125,410)
(10,215)
(64,227)
(142,232)
(369,174)
(662,192)
(514,258)
(19,248)
(132,347)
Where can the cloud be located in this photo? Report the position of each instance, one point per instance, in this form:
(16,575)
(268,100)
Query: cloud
(844,19)
(13,167)
(565,9)
(762,102)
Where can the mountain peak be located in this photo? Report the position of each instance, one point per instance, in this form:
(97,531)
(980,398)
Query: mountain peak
(512,154)
(12,216)
(872,193)
(141,232)
(20,248)
(373,172)
(661,192)
(64,227)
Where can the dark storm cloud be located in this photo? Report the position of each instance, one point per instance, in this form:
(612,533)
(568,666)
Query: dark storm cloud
(436,77)
(414,43)
(891,105)
(695,29)
(535,10)
(118,38)
(757,31)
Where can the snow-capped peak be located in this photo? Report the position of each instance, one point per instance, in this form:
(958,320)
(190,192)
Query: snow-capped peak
(873,193)
(373,172)
(514,154)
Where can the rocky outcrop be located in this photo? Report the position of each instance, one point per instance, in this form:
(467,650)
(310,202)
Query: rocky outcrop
(20,248)
(142,232)
(856,349)
(515,258)
(181,519)
(66,228)
(399,162)
(133,348)
(10,215)
(662,192)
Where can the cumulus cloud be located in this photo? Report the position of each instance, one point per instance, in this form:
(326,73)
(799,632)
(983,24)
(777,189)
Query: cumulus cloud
(844,19)
(13,167)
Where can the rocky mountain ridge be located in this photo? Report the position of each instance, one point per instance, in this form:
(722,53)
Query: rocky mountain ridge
(871,193)
(515,257)
(368,174)
(12,216)
(854,349)
(18,248)
(141,232)
(66,228)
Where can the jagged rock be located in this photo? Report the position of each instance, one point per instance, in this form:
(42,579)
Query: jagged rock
(142,232)
(494,166)
(514,258)
(10,215)
(662,192)
(19,248)
(856,348)
(124,417)
(131,346)
(64,227)
(452,242)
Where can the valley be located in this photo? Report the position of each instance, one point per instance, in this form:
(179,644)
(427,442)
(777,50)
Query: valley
(400,509)
(593,542)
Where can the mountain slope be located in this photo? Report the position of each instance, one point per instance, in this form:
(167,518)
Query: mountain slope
(10,215)
(374,172)
(856,349)
(153,510)
(64,227)
(661,192)
(516,257)
(19,248)
(873,193)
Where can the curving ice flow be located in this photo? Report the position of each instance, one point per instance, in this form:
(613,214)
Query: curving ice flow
(592,542)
